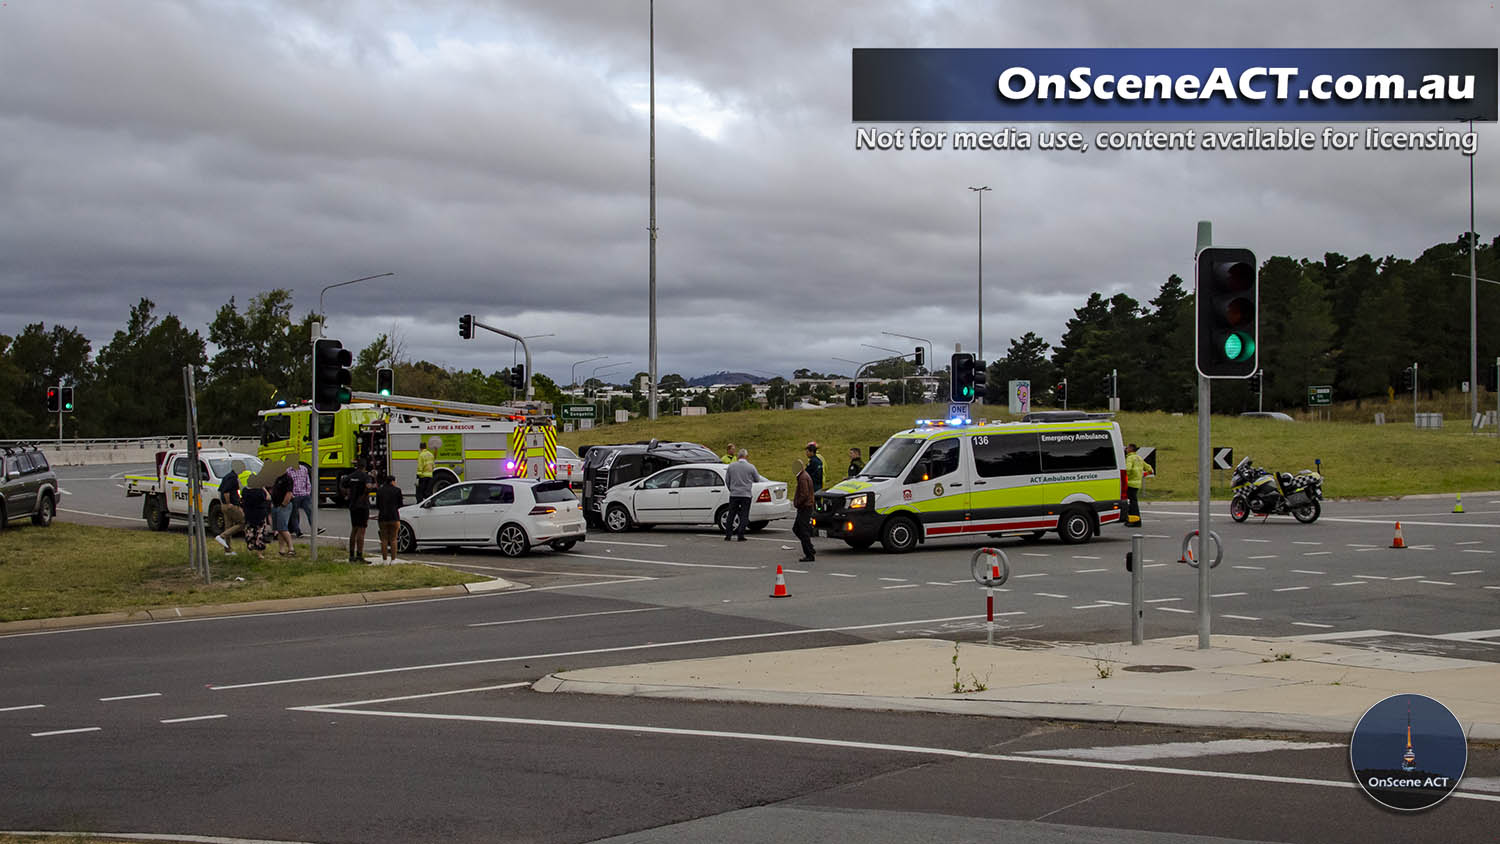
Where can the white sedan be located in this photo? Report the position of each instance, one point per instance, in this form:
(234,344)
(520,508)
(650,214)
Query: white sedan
(690,494)
(511,514)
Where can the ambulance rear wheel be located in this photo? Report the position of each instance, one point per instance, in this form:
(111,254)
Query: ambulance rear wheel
(1075,526)
(900,535)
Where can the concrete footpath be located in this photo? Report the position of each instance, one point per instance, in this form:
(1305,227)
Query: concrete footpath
(1242,681)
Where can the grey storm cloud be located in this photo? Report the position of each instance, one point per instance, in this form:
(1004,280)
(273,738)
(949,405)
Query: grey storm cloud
(493,155)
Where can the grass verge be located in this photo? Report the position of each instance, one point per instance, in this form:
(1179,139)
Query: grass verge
(70,569)
(1360,460)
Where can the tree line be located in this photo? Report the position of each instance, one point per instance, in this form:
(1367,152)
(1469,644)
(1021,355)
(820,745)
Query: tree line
(1354,324)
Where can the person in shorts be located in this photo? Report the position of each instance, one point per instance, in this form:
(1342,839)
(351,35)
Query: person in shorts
(257,503)
(229,504)
(388,510)
(357,487)
(281,515)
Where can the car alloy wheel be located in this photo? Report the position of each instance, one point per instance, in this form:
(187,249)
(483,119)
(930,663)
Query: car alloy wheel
(616,520)
(406,539)
(512,540)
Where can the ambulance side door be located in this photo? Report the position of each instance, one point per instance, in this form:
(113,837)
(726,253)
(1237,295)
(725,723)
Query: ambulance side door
(936,487)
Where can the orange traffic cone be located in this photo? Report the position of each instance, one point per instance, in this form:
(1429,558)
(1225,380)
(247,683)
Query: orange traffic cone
(780,590)
(1186,556)
(1398,542)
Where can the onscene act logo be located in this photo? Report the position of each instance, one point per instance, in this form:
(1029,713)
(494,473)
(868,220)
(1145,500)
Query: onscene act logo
(1408,752)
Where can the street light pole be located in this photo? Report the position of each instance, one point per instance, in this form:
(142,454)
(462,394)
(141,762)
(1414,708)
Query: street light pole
(313,426)
(1473,297)
(651,403)
(980,190)
(516,347)
(899,354)
(929,366)
(573,379)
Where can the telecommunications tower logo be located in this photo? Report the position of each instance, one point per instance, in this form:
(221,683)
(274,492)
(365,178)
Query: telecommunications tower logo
(1408,752)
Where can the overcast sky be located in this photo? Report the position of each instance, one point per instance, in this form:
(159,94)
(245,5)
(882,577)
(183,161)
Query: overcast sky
(494,156)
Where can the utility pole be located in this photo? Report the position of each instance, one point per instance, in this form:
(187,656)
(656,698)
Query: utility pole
(979,355)
(1205,399)
(652,393)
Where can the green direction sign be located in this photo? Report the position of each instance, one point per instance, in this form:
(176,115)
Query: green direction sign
(578,411)
(1321,396)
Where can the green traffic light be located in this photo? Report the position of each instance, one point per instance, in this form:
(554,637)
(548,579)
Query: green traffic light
(1238,346)
(385,392)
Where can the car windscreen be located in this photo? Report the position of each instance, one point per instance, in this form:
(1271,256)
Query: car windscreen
(552,492)
(219,466)
(892,457)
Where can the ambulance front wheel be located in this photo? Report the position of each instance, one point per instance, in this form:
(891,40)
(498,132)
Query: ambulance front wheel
(859,544)
(900,535)
(1075,526)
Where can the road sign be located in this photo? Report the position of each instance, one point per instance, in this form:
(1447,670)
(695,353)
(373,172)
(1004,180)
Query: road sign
(1148,454)
(958,410)
(1320,396)
(577,411)
(1223,457)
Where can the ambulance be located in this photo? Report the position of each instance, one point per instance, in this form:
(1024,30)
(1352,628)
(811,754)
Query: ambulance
(1058,471)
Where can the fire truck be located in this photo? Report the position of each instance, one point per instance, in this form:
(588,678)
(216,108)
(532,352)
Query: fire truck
(386,433)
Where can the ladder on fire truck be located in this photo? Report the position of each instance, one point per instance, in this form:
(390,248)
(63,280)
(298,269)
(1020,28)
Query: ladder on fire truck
(531,412)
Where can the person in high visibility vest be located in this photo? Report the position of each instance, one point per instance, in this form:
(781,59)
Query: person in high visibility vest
(1136,470)
(426,462)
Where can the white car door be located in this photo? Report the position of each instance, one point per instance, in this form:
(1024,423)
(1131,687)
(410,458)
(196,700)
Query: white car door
(489,506)
(443,521)
(703,492)
(659,498)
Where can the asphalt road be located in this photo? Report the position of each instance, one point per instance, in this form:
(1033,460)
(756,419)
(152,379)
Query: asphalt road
(412,722)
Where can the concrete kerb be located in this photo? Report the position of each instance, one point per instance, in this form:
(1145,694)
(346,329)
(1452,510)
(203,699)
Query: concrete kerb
(267,606)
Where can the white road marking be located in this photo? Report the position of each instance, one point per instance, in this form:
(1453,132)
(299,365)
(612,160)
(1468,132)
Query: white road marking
(1113,603)
(1362,545)
(1156,536)
(1155,565)
(1312,624)
(100,515)
(1255,540)
(1316,553)
(1378,577)
(1088,571)
(1470,636)
(1029,554)
(902,586)
(595,541)
(1180,749)
(1229,594)
(858,745)
(1251,568)
(753,538)
(1470,542)
(193,718)
(560,617)
(1492,587)
(1352,583)
(841,574)
(894,579)
(421,696)
(1481,783)
(1470,571)
(938,583)
(589,651)
(1241,617)
(67,732)
(1033,574)
(1012,612)
(1092,606)
(795,571)
(1050,595)
(661,562)
(1084,557)
(1291,589)
(1258,557)
(1476,551)
(1296,542)
(1394,579)
(129,697)
(19,708)
(1307,571)
(1386,520)
(1436,582)
(1161,600)
(1173,609)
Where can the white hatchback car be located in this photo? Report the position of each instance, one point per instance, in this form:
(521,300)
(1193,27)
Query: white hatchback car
(512,514)
(690,494)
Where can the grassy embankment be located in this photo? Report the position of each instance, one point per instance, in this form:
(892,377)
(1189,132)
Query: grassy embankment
(1360,459)
(69,569)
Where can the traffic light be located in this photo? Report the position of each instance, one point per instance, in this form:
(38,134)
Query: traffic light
(1060,390)
(859,393)
(1406,379)
(1492,377)
(917,356)
(466,326)
(1228,318)
(331,376)
(54,402)
(1255,381)
(67,399)
(1107,383)
(385,380)
(518,377)
(850,400)
(967,378)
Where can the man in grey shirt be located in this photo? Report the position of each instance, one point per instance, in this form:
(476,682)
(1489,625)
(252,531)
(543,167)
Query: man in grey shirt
(742,475)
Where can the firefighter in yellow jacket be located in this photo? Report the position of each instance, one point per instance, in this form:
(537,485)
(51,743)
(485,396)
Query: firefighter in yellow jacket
(1136,470)
(426,462)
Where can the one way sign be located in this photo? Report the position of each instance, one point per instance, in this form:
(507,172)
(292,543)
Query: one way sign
(1223,457)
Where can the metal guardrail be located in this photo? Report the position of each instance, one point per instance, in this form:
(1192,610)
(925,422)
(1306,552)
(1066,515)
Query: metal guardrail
(119,442)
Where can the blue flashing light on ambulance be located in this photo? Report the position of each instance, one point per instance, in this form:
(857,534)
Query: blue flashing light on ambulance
(1056,471)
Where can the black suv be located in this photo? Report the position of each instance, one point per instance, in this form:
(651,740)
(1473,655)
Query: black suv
(607,465)
(28,486)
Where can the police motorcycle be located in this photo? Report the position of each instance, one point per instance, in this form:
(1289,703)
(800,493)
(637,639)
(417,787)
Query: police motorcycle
(1261,493)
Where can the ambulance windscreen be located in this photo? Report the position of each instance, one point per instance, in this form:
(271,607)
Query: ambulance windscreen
(891,458)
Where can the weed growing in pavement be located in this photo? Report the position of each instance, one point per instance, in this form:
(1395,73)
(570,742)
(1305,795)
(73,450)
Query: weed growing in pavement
(1104,662)
(975,684)
(1281,657)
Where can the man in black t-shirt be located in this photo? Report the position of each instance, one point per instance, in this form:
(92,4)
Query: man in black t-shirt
(229,505)
(357,487)
(388,504)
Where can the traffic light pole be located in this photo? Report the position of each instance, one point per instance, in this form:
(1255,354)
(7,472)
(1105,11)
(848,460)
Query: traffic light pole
(527,349)
(1205,396)
(312,434)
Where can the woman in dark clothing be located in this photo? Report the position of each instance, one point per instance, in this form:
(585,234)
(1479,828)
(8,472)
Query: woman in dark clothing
(281,515)
(257,503)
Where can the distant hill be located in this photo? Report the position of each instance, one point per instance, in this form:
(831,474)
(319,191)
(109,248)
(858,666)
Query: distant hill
(725,378)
